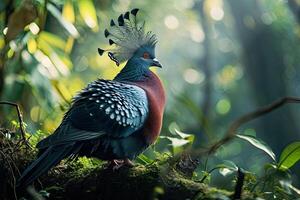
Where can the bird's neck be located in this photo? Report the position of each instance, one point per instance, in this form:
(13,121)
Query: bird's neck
(132,72)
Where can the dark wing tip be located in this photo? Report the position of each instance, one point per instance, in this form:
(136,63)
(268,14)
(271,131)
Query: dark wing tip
(106,33)
(134,11)
(112,23)
(121,20)
(126,15)
(100,51)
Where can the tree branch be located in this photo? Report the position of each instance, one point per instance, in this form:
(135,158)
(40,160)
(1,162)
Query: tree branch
(19,118)
(231,132)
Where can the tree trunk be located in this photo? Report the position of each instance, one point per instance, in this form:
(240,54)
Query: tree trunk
(263,59)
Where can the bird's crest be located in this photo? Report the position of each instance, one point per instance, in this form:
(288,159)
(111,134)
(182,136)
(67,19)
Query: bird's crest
(127,36)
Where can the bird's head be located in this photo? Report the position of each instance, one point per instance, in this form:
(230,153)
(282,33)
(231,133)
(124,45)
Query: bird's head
(144,57)
(131,42)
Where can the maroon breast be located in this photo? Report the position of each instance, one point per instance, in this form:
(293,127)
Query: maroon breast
(156,100)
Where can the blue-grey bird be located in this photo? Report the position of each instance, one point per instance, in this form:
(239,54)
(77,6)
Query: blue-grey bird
(112,120)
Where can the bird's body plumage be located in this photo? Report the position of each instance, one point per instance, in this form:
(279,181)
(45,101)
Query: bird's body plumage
(109,119)
(112,128)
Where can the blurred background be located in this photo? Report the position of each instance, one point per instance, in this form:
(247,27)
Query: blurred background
(221,59)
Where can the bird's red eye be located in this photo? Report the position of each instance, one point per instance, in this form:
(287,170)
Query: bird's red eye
(146,55)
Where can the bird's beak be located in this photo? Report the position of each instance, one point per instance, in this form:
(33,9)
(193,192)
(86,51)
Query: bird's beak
(156,63)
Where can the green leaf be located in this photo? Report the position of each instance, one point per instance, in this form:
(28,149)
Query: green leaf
(52,40)
(289,156)
(44,193)
(145,159)
(176,142)
(228,164)
(289,188)
(226,168)
(66,24)
(88,13)
(258,144)
(68,11)
(181,134)
(57,60)
(189,137)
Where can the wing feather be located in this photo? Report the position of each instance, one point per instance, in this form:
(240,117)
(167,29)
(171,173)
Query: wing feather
(102,108)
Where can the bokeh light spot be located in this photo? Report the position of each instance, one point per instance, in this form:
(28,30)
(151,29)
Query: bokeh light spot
(266,18)
(31,45)
(5,31)
(193,76)
(216,13)
(35,113)
(228,75)
(197,35)
(223,106)
(171,22)
(34,28)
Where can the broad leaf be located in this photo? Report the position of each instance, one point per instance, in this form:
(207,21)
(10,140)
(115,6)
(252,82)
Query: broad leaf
(189,137)
(226,168)
(68,11)
(88,13)
(289,156)
(258,144)
(66,24)
(181,134)
(225,171)
(52,40)
(176,142)
(145,159)
(288,187)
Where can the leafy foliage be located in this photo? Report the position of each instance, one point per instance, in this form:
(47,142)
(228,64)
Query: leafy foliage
(289,156)
(258,144)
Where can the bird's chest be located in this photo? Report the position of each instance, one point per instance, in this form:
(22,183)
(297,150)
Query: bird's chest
(156,101)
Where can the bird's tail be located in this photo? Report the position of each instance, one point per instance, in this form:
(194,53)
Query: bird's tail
(50,157)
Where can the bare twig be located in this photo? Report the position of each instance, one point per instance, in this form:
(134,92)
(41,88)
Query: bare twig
(231,132)
(20,119)
(209,172)
(239,184)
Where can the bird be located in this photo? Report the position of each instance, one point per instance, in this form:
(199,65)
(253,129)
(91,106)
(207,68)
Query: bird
(112,120)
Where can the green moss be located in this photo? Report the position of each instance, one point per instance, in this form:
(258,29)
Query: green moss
(87,178)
